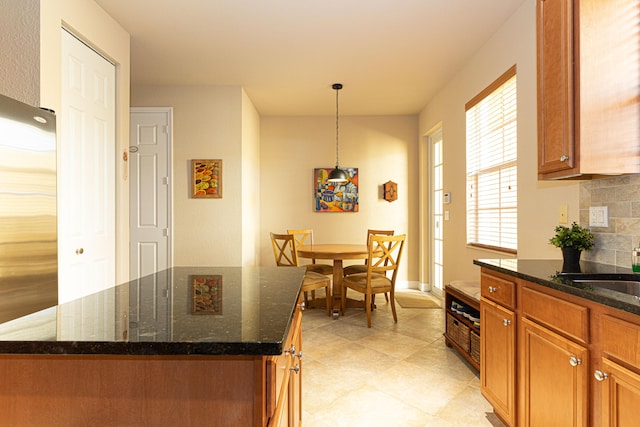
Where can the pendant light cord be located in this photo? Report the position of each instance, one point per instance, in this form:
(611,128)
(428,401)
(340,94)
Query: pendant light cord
(337,87)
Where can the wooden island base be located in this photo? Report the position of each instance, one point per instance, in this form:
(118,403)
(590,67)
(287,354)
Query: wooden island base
(133,391)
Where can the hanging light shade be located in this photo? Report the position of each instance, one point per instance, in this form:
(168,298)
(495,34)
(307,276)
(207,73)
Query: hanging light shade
(337,176)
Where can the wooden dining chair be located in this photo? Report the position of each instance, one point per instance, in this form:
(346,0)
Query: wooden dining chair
(305,237)
(286,256)
(384,257)
(362,268)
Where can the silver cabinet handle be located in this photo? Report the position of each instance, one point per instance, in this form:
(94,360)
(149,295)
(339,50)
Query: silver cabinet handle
(506,322)
(295,369)
(493,289)
(574,361)
(79,251)
(600,376)
(564,158)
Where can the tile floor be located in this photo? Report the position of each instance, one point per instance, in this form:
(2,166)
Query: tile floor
(390,375)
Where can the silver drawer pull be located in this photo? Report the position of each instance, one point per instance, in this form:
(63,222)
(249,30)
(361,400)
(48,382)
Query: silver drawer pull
(574,361)
(493,289)
(564,158)
(506,322)
(295,369)
(600,376)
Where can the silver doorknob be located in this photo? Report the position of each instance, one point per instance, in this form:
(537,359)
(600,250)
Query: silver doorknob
(600,376)
(574,361)
(79,251)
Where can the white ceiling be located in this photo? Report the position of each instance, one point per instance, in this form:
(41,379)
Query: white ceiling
(391,55)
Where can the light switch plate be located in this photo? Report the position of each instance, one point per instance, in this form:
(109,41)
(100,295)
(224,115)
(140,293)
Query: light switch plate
(563,214)
(599,216)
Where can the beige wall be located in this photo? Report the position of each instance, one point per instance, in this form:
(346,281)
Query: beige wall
(208,124)
(250,182)
(538,201)
(382,148)
(97,29)
(20,50)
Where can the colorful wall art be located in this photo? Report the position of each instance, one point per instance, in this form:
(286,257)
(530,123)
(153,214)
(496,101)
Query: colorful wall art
(328,197)
(207,179)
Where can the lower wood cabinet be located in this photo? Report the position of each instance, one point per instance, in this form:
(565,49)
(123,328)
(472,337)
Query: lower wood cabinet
(497,358)
(570,362)
(555,375)
(620,395)
(284,381)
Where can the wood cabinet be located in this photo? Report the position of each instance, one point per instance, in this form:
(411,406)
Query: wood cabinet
(555,375)
(570,362)
(554,363)
(618,374)
(498,343)
(498,358)
(284,380)
(588,95)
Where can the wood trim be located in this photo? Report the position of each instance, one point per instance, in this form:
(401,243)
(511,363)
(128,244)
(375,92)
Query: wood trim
(489,89)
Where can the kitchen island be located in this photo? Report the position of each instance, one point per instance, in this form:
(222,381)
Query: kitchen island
(188,346)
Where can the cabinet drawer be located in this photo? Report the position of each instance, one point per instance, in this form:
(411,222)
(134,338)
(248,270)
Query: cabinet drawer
(499,290)
(562,316)
(621,339)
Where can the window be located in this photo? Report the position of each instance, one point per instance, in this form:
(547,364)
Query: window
(492,171)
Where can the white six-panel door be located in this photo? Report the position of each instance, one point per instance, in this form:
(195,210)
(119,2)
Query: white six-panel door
(86,195)
(149,190)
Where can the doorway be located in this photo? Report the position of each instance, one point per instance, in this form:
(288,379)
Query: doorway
(150,190)
(86,187)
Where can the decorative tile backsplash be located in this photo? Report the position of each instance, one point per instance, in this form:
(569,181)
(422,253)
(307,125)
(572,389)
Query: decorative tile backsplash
(621,195)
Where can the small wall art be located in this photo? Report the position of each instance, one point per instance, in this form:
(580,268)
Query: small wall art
(206,294)
(206,179)
(335,198)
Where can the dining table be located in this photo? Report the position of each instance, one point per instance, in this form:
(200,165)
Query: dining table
(337,252)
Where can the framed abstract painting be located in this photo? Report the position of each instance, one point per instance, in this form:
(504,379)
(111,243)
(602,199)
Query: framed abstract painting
(330,197)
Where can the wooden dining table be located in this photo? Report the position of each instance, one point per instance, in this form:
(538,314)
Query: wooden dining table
(337,252)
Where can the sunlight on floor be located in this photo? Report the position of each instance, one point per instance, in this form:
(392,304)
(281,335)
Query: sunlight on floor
(390,375)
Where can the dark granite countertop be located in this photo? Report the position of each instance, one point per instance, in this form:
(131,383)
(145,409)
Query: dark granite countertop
(545,273)
(220,311)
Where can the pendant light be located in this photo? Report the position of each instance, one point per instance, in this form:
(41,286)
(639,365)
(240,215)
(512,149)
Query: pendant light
(337,176)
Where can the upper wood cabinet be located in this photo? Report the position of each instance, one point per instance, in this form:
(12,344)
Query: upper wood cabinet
(588,88)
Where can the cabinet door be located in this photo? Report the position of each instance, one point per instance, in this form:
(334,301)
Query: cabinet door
(555,374)
(295,381)
(556,150)
(620,395)
(497,358)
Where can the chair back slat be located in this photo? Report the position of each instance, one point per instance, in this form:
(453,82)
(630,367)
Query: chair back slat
(371,232)
(384,254)
(302,236)
(284,250)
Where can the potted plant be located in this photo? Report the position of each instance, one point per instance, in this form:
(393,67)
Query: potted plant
(572,241)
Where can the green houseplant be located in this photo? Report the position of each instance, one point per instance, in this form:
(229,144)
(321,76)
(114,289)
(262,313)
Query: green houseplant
(572,241)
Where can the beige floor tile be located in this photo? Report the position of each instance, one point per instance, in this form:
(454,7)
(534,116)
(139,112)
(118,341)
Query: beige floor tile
(392,374)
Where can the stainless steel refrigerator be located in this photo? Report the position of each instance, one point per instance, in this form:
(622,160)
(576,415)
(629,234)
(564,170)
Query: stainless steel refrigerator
(28,225)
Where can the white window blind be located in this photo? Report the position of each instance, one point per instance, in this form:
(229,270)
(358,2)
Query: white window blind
(492,172)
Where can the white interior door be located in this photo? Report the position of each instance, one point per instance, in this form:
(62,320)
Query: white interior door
(149,191)
(86,187)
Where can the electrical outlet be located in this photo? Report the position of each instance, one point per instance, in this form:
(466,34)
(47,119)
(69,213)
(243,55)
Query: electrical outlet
(564,217)
(599,216)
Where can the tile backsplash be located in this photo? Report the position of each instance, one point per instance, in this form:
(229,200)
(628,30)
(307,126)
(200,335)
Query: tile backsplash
(621,195)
